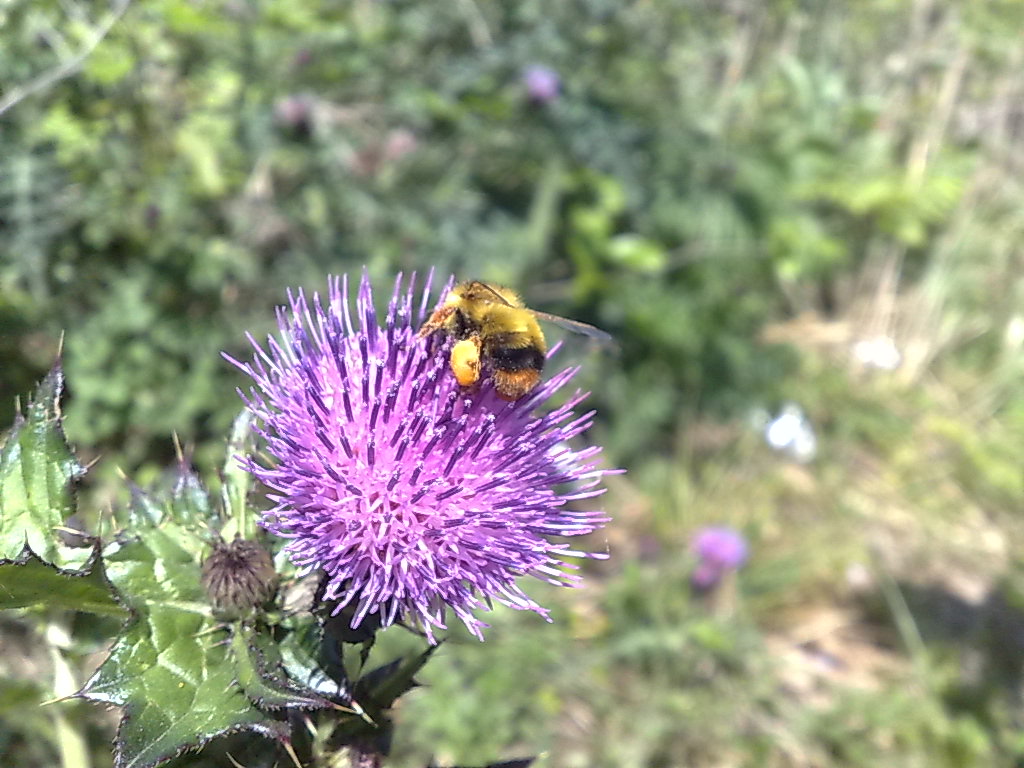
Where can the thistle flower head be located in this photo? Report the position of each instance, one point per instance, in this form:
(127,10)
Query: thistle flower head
(719,549)
(542,84)
(414,497)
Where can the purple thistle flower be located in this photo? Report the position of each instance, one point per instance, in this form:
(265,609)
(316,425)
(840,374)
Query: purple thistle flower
(719,549)
(414,497)
(542,84)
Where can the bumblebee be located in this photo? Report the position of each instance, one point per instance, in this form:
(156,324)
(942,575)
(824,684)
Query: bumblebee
(496,333)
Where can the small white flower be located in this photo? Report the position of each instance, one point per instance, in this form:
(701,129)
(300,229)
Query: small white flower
(792,434)
(880,352)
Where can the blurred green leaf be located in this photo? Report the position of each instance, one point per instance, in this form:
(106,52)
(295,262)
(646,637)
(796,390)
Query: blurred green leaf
(109,63)
(637,254)
(31,581)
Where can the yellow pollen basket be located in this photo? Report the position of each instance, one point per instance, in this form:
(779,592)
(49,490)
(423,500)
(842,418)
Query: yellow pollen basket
(465,361)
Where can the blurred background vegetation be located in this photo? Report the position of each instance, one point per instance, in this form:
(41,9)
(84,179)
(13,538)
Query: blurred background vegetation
(771,202)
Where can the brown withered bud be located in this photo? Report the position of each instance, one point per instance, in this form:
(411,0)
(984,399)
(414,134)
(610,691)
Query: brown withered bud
(238,577)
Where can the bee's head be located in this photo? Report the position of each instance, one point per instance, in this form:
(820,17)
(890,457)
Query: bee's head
(461,325)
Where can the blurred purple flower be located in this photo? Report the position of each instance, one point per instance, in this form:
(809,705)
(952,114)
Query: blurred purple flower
(719,549)
(393,147)
(414,497)
(399,143)
(295,113)
(542,84)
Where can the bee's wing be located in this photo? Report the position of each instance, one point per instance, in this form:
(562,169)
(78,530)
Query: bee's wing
(574,325)
(485,288)
(570,325)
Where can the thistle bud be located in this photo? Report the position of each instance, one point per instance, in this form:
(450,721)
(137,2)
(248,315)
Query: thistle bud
(238,577)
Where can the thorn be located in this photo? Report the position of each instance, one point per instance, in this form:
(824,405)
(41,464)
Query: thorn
(72,531)
(291,753)
(211,630)
(357,709)
(58,700)
(60,345)
(177,448)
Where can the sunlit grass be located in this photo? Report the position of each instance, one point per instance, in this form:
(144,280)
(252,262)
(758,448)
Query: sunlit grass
(855,636)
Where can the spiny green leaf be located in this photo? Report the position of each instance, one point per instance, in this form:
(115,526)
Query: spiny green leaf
(190,502)
(259,671)
(300,653)
(375,693)
(170,669)
(36,472)
(184,508)
(385,684)
(177,688)
(30,581)
(143,510)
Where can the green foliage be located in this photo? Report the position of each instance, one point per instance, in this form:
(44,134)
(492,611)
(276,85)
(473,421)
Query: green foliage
(472,729)
(178,690)
(207,156)
(259,672)
(236,483)
(31,581)
(179,683)
(37,470)
(706,170)
(182,678)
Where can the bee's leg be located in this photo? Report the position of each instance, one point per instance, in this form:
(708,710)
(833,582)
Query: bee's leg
(436,321)
(465,360)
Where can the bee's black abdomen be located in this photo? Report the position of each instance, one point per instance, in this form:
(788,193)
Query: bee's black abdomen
(516,358)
